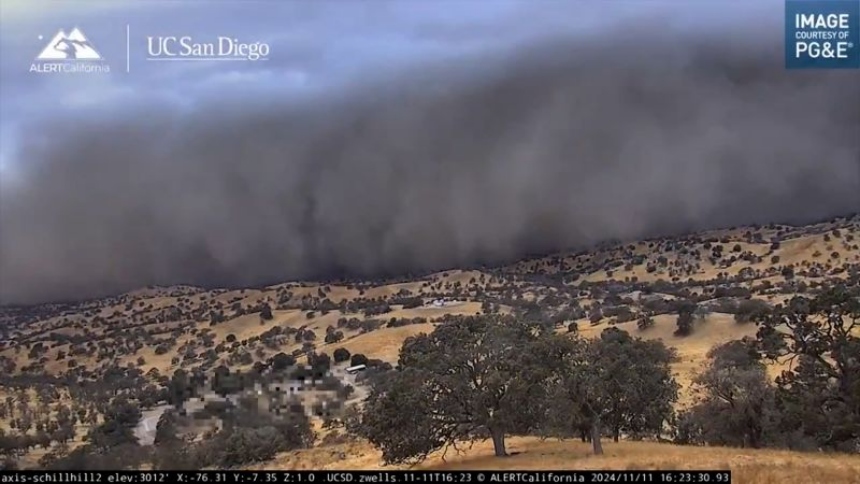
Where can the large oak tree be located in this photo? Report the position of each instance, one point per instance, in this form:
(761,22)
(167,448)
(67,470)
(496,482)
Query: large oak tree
(471,379)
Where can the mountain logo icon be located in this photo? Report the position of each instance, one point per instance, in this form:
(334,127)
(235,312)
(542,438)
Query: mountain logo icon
(72,46)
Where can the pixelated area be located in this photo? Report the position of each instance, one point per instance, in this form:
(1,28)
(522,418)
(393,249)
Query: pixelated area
(302,392)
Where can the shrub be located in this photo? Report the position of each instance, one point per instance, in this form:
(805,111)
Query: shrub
(645,322)
(341,355)
(282,361)
(333,337)
(749,308)
(266,313)
(241,445)
(685,324)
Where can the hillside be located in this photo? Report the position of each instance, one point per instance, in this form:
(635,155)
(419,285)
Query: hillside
(134,342)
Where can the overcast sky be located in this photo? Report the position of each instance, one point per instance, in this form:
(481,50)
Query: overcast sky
(384,138)
(316,46)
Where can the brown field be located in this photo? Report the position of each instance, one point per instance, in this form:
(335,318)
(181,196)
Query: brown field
(818,254)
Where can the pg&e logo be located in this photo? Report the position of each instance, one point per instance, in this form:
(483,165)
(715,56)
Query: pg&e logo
(822,34)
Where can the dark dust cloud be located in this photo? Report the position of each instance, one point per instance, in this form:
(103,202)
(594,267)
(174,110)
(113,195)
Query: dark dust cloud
(558,145)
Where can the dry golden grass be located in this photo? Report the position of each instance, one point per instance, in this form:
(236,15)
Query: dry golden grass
(692,350)
(796,250)
(748,466)
(431,312)
(801,247)
(384,343)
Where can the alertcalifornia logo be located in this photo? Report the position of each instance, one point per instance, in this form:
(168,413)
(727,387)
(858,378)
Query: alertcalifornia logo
(69,53)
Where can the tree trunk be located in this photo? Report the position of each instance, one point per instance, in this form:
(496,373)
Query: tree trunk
(595,437)
(754,426)
(585,432)
(616,434)
(499,443)
(755,439)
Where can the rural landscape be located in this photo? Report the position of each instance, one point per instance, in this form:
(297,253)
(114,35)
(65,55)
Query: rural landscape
(734,349)
(448,234)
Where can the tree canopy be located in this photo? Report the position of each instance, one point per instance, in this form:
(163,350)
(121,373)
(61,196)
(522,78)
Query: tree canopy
(820,392)
(492,376)
(471,379)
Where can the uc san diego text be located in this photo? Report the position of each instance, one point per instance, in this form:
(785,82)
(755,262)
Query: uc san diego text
(223,47)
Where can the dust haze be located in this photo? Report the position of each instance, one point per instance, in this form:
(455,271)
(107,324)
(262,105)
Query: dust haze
(557,144)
